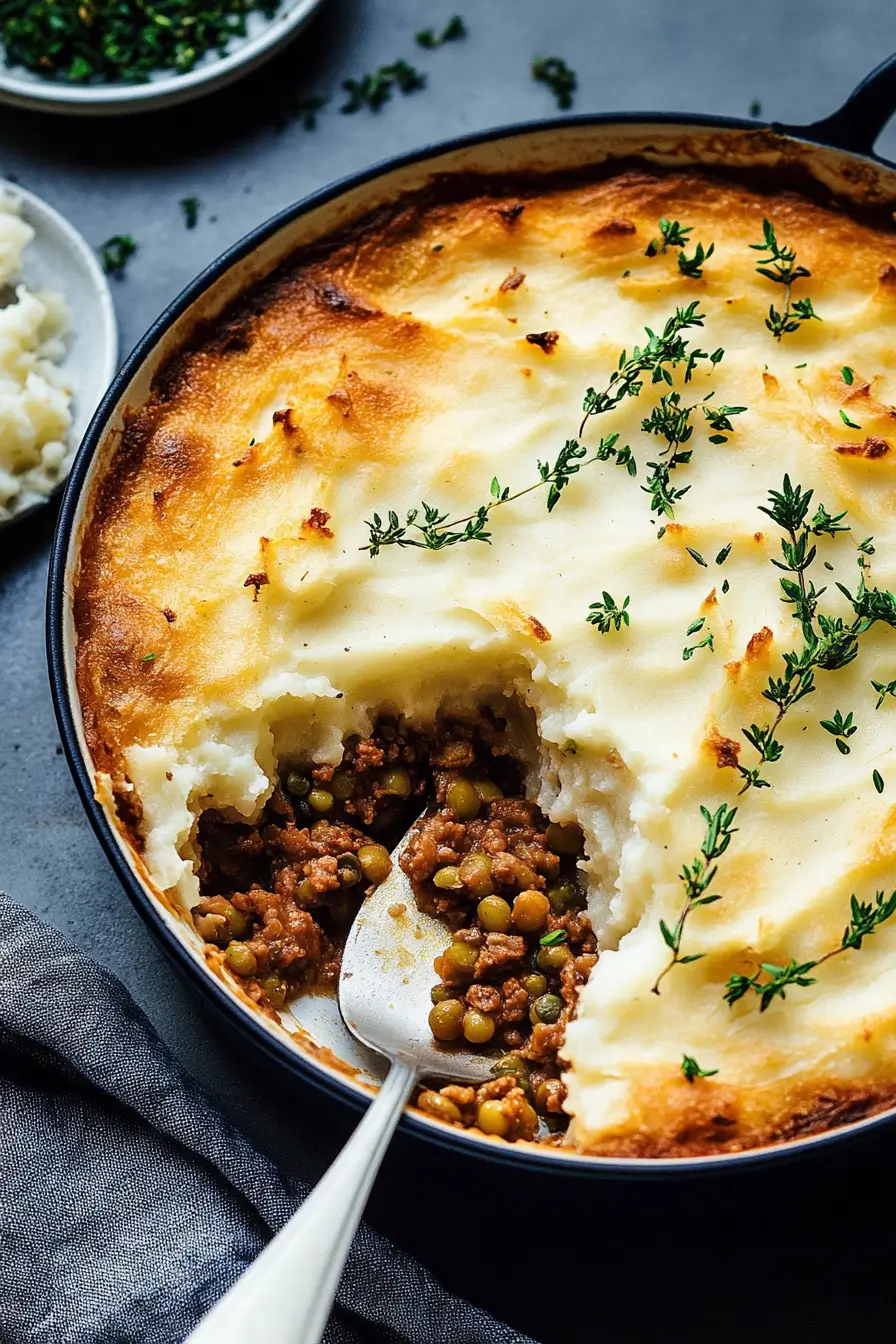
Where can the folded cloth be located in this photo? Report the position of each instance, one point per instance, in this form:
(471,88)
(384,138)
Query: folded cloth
(129,1203)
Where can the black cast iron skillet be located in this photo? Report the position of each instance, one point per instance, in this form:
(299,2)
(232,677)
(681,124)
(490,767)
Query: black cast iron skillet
(839,150)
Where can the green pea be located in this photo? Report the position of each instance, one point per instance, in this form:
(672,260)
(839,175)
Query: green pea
(275,989)
(510,1064)
(348,870)
(478,1027)
(534,984)
(553,959)
(486,788)
(441,993)
(446,1020)
(320,800)
(565,839)
(241,958)
(396,781)
(448,879)
(565,895)
(461,957)
(546,1009)
(433,1103)
(375,862)
(495,914)
(297,784)
(342,785)
(463,799)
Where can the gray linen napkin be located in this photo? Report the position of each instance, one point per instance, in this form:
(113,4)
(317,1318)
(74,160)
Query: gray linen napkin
(128,1202)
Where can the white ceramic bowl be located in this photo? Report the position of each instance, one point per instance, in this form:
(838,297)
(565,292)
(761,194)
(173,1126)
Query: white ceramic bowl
(58,258)
(264,38)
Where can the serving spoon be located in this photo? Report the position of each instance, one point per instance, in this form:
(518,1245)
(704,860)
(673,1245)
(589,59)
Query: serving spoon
(285,1296)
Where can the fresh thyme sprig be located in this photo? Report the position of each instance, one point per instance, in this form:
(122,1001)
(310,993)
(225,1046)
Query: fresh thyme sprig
(829,646)
(672,234)
(670,420)
(840,729)
(606,615)
(771,981)
(559,78)
(780,267)
(697,879)
(691,1069)
(719,418)
(662,353)
(453,31)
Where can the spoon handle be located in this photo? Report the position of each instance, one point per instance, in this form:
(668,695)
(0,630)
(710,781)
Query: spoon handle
(285,1296)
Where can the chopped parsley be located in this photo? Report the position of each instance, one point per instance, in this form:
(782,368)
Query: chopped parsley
(453,31)
(190,207)
(116,252)
(559,78)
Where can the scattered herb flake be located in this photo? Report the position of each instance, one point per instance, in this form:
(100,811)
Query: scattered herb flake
(606,615)
(724,554)
(725,586)
(553,939)
(877,780)
(116,252)
(148,657)
(846,420)
(695,555)
(453,31)
(559,78)
(755,108)
(848,375)
(691,1069)
(883,690)
(372,91)
(190,207)
(697,878)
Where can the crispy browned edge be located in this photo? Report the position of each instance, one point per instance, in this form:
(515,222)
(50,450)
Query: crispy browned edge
(704,1124)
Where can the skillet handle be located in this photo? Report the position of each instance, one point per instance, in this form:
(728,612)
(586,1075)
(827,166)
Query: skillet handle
(857,124)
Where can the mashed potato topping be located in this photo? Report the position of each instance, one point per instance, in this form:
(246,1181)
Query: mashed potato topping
(229,615)
(34,392)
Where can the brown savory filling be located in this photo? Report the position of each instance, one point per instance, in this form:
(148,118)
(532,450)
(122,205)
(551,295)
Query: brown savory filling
(279,896)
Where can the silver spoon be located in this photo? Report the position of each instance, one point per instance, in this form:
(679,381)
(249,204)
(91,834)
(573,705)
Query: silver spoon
(286,1295)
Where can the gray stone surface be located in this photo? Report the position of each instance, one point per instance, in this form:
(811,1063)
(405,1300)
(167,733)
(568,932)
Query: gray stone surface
(800,58)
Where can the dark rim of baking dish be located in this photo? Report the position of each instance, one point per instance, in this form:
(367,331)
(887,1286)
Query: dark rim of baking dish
(853,130)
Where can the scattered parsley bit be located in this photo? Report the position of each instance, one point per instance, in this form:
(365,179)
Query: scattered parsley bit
(755,109)
(605,615)
(724,554)
(725,586)
(864,919)
(848,375)
(306,109)
(373,90)
(841,729)
(190,207)
(780,267)
(438,247)
(691,1069)
(800,366)
(116,252)
(883,690)
(148,657)
(697,879)
(559,78)
(846,420)
(119,40)
(453,31)
(552,939)
(877,781)
(695,555)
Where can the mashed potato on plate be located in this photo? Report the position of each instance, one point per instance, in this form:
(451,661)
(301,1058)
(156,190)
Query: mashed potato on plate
(35,394)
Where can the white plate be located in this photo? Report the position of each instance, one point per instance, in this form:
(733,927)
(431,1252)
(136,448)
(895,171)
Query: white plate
(264,37)
(59,258)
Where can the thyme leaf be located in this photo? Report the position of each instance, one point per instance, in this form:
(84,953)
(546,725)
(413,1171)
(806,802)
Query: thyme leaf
(883,690)
(372,91)
(781,268)
(691,1069)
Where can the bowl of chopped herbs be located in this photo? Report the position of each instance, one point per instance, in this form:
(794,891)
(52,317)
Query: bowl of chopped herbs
(110,57)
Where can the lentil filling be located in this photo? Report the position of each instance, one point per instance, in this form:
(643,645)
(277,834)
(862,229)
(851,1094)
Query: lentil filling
(279,895)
